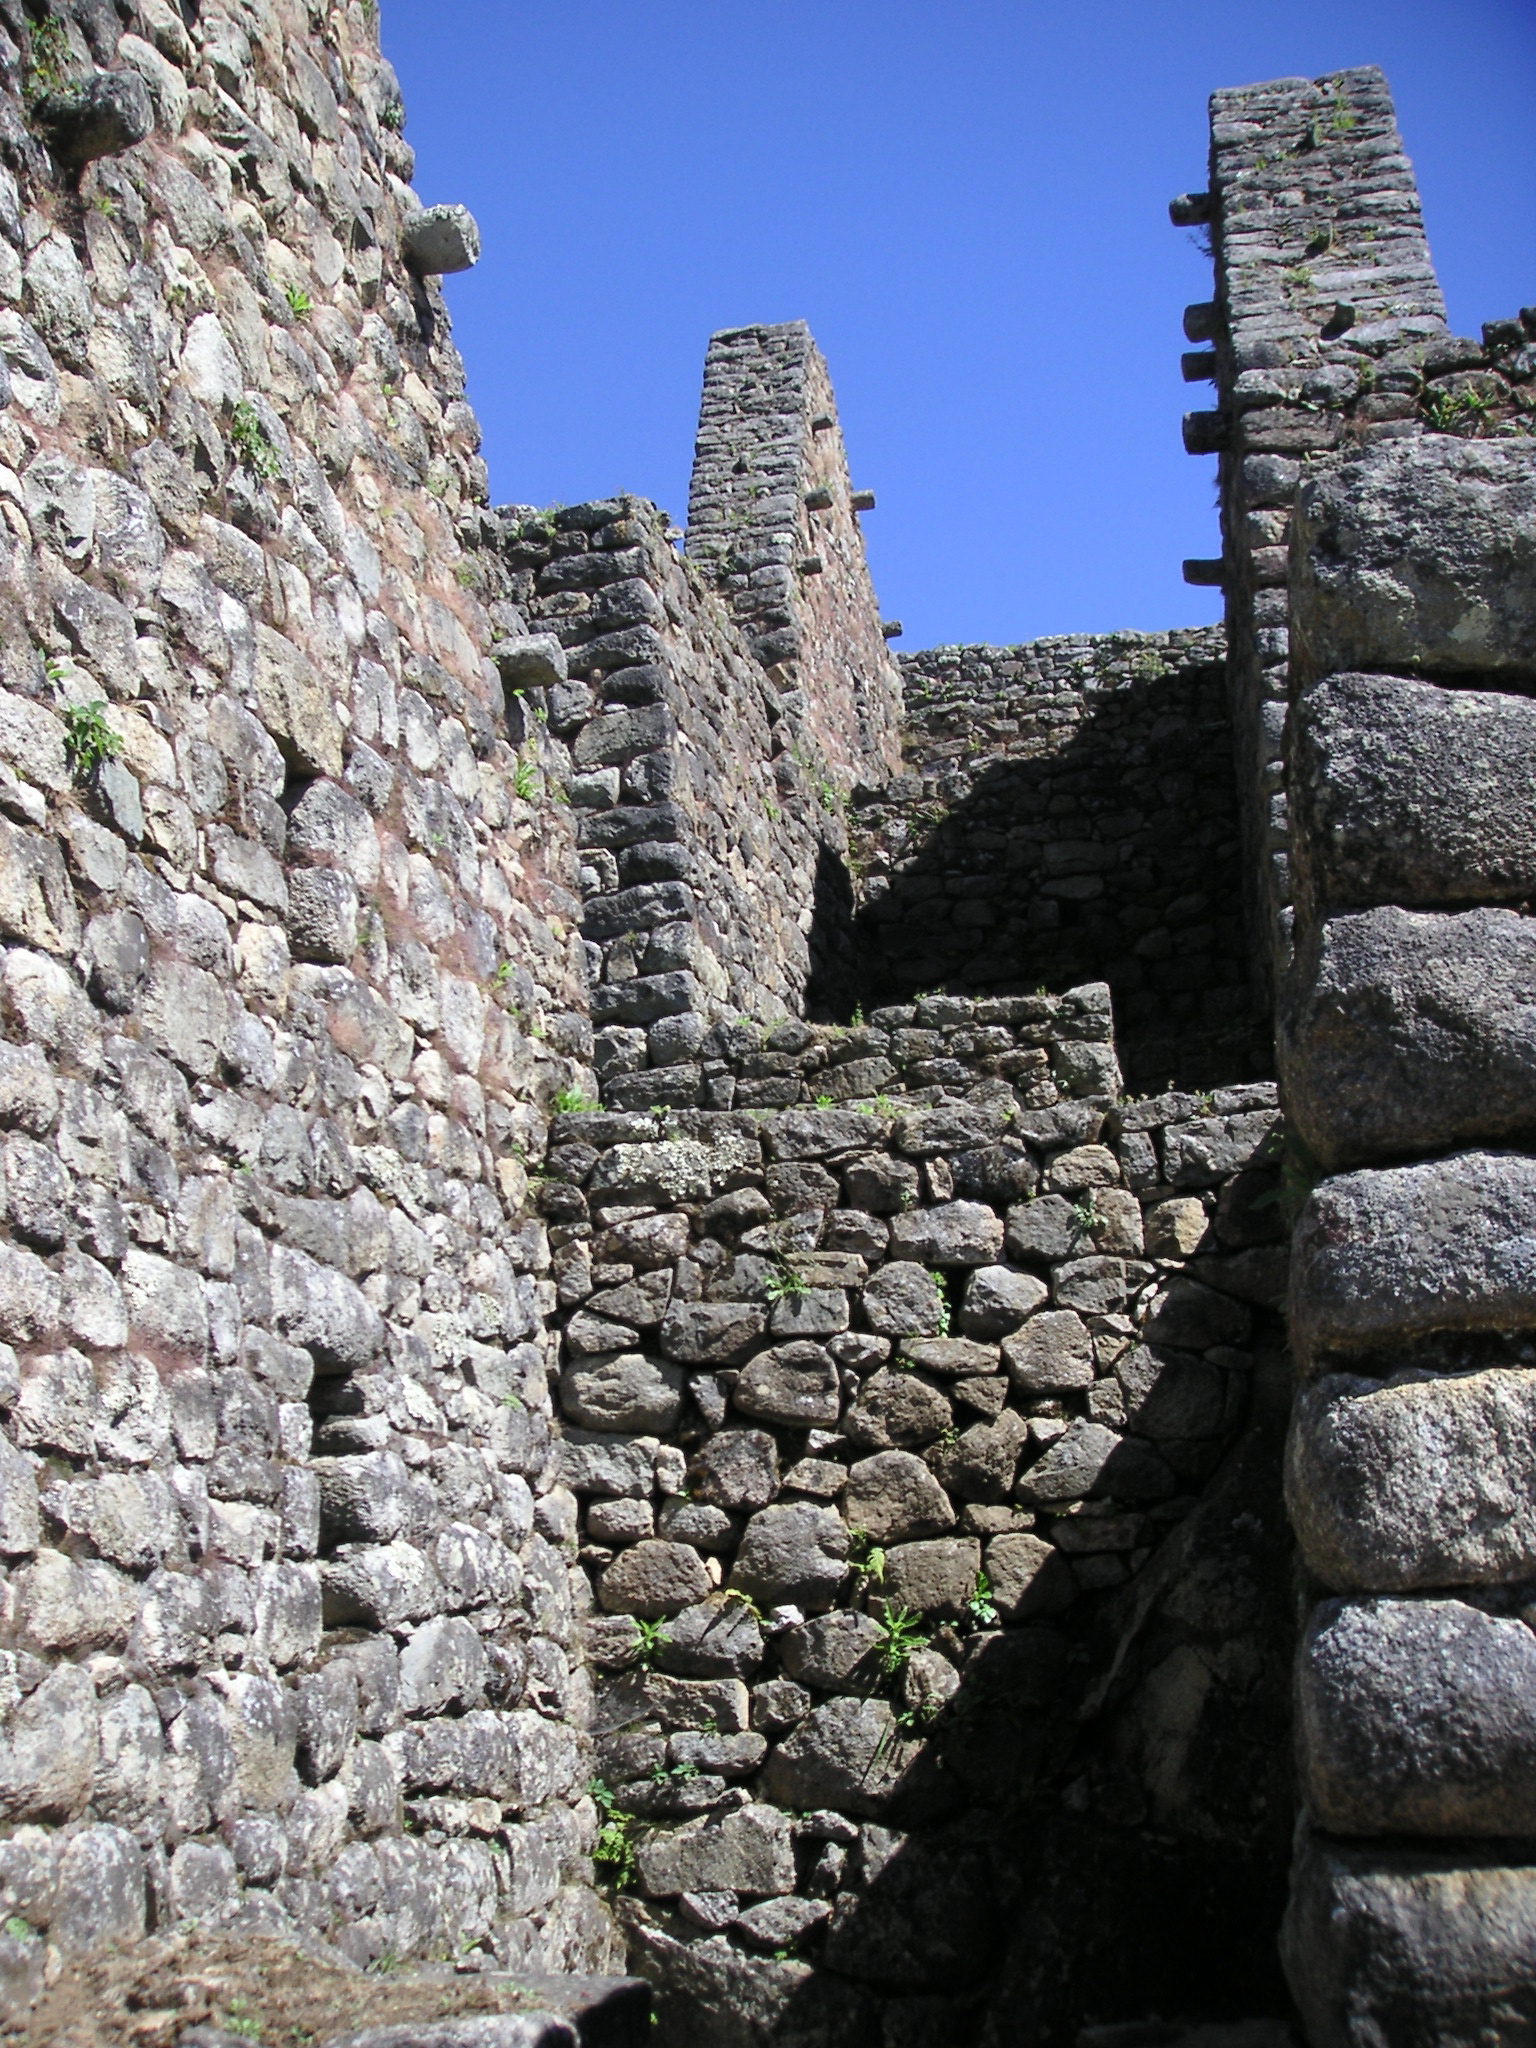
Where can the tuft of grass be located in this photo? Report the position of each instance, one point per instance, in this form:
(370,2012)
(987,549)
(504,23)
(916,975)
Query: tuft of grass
(525,779)
(88,739)
(392,117)
(253,450)
(48,57)
(300,304)
(572,1102)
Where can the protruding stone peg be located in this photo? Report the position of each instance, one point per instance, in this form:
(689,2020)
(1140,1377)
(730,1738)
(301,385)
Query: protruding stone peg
(1198,366)
(862,501)
(441,240)
(106,115)
(1200,321)
(1190,209)
(1205,433)
(891,629)
(1204,572)
(818,499)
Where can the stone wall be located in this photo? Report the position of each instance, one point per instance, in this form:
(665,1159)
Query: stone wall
(709,822)
(1066,811)
(1405,1062)
(894,1442)
(774,517)
(290,979)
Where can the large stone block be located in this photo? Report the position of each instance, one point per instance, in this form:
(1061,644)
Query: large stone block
(1446,1245)
(1405,1032)
(1418,554)
(1404,792)
(1403,1949)
(1415,1481)
(1417,1717)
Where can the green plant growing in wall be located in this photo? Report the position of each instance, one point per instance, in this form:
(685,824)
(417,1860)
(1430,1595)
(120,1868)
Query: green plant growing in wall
(48,59)
(300,304)
(866,1558)
(253,449)
(614,1850)
(980,1607)
(573,1102)
(944,1310)
(741,1599)
(654,1637)
(392,116)
(88,739)
(525,779)
(1085,1214)
(785,1284)
(901,1635)
(823,1102)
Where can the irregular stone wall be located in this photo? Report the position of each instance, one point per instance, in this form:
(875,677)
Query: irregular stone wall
(710,826)
(773,515)
(946,1366)
(290,976)
(1066,810)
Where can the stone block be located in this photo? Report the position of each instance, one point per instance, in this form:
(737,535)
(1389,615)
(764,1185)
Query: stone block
(792,1554)
(837,1652)
(896,1411)
(903,1300)
(1415,1481)
(441,240)
(1405,792)
(736,1469)
(998,1299)
(627,1393)
(1417,1717)
(653,1578)
(936,1579)
(847,1754)
(1405,1032)
(952,1234)
(1409,1947)
(1028,1576)
(894,1498)
(1446,1245)
(1418,554)
(1052,1354)
(795,1385)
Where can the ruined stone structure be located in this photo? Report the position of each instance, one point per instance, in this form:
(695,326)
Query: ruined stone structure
(644,1257)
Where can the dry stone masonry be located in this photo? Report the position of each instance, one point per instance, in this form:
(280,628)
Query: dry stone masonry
(643,1255)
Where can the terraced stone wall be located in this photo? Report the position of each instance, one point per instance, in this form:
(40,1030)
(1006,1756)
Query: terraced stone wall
(922,1454)
(290,976)
(1066,812)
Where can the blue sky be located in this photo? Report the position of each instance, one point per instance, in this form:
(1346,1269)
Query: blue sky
(967,201)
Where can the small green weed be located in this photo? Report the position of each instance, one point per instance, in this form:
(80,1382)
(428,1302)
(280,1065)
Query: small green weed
(300,304)
(901,1634)
(1085,1214)
(1299,279)
(866,1556)
(614,1850)
(745,1600)
(785,1285)
(525,779)
(88,739)
(392,117)
(18,1929)
(253,450)
(572,1102)
(823,1102)
(1456,412)
(944,1310)
(857,1019)
(980,1606)
(654,1637)
(771,811)
(105,204)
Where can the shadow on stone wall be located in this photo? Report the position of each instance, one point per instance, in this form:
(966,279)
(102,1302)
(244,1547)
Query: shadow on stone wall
(1098,1833)
(1114,857)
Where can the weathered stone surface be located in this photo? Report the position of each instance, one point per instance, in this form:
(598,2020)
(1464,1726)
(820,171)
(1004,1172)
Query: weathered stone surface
(1402,792)
(1407,1946)
(653,1578)
(1027,1576)
(998,1299)
(107,114)
(1417,1717)
(1052,1354)
(1442,1246)
(440,240)
(835,1653)
(1415,1481)
(1170,1393)
(893,1497)
(712,1333)
(749,1851)
(793,1554)
(953,1234)
(719,1638)
(1410,1033)
(847,1754)
(903,1300)
(1418,554)
(738,1469)
(795,1384)
(626,1394)
(937,1578)
(1092,1460)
